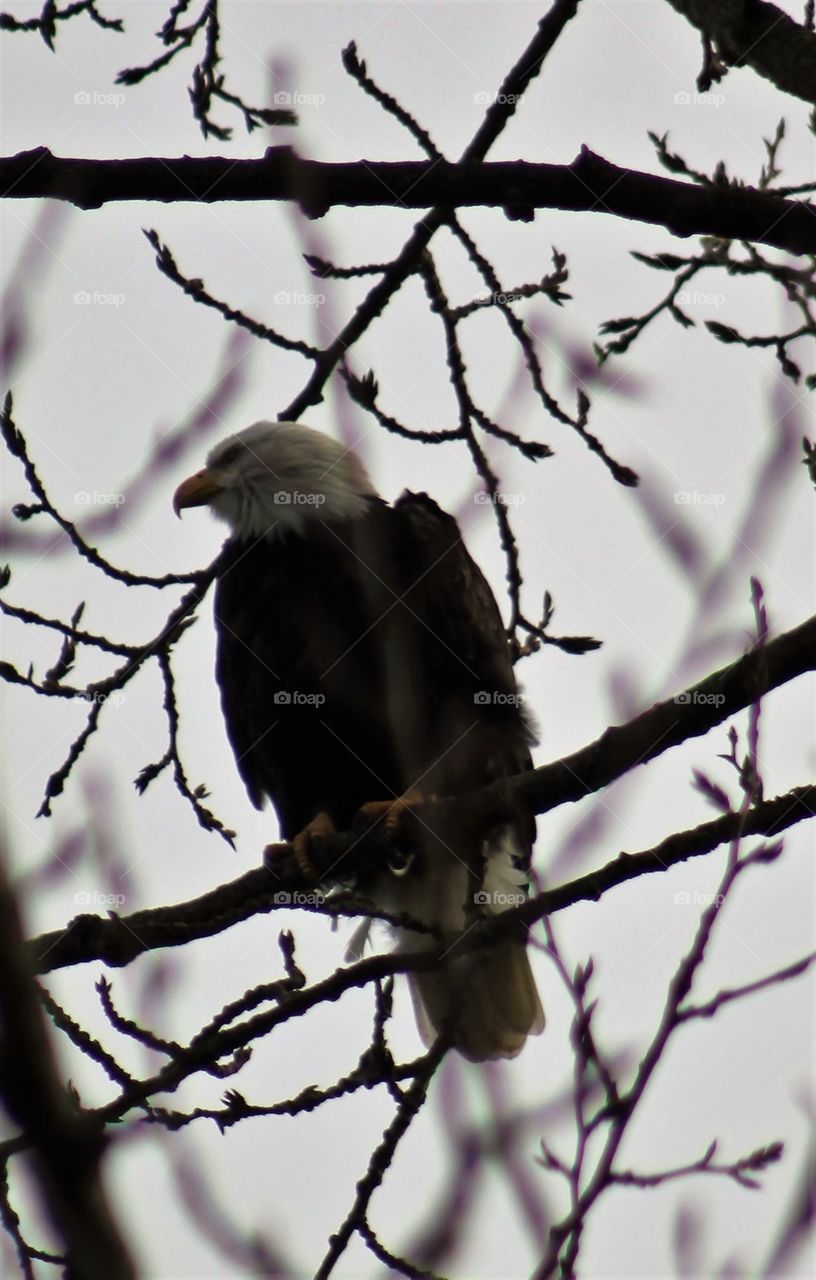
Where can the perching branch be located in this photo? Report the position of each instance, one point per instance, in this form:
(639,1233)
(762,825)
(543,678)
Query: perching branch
(119,940)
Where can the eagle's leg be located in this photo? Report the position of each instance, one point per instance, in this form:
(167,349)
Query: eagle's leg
(394,811)
(320,825)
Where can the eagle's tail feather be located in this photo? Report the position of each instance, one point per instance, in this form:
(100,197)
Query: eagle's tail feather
(488,999)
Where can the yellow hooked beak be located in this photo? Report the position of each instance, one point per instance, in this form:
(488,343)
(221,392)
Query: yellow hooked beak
(197,490)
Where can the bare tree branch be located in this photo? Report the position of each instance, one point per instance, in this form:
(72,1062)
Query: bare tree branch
(589,184)
(119,940)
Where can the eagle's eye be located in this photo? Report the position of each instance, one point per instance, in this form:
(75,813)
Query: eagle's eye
(230,455)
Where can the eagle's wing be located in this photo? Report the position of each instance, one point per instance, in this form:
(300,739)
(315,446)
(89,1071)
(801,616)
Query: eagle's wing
(299,665)
(466,653)
(247,671)
(483,733)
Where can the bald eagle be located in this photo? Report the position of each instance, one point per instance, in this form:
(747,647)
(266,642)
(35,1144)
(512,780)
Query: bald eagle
(362,662)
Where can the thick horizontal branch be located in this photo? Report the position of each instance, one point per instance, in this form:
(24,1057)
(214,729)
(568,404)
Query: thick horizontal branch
(589,184)
(769,818)
(118,940)
(667,724)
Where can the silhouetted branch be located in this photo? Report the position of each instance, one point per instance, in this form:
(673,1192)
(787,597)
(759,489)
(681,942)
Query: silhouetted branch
(86,1043)
(119,940)
(589,184)
(591,1176)
(399,1266)
(16,446)
(207,85)
(724,257)
(51,14)
(195,289)
(381,1159)
(366,1075)
(127,1027)
(565,1237)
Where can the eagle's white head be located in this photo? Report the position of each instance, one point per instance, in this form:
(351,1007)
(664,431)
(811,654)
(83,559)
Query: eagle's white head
(275,477)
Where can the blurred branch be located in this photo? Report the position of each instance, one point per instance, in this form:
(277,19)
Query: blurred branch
(67,1146)
(760,36)
(794,1236)
(713,1006)
(738,1170)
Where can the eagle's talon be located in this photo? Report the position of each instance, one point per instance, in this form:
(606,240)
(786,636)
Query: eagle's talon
(274,853)
(321,825)
(393,812)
